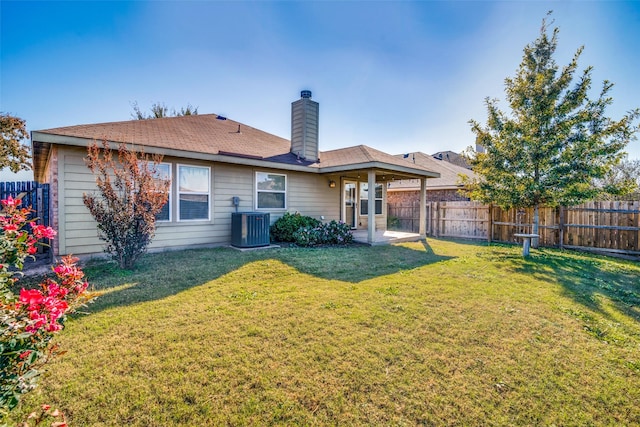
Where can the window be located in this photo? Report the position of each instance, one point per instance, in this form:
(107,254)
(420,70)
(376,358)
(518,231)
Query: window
(193,192)
(271,190)
(364,199)
(163,171)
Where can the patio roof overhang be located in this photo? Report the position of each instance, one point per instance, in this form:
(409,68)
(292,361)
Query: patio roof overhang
(384,172)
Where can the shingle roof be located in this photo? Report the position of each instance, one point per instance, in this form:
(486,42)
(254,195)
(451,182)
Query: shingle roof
(451,157)
(203,133)
(210,134)
(448,172)
(361,154)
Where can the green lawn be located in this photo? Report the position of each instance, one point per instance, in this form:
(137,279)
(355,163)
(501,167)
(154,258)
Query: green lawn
(442,333)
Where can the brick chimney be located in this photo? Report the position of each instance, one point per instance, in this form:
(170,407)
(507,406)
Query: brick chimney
(304,127)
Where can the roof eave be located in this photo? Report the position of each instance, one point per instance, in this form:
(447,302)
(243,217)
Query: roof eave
(42,137)
(379,165)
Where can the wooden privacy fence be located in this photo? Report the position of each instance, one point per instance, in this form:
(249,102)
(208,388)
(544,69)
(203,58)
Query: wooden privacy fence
(33,194)
(607,226)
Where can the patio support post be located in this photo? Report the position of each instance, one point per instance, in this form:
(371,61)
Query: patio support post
(423,209)
(371,211)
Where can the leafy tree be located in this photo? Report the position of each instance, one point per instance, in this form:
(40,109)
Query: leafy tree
(131,195)
(159,110)
(13,154)
(555,141)
(624,176)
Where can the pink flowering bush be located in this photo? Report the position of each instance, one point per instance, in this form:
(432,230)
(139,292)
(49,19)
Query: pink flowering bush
(28,321)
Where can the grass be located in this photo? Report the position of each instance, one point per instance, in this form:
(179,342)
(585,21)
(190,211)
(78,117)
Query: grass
(443,333)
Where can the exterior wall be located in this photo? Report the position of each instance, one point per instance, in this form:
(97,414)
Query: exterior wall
(413,196)
(307,193)
(310,195)
(381,220)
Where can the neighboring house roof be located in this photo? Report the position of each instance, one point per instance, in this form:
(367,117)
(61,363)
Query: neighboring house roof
(211,137)
(451,157)
(449,173)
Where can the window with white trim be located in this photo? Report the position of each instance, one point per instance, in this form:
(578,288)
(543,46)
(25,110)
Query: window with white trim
(271,190)
(194,192)
(364,199)
(163,172)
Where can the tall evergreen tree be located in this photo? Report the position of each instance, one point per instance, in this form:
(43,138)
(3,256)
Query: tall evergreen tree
(554,142)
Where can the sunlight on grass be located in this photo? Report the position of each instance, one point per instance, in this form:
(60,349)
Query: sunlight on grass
(112,289)
(412,334)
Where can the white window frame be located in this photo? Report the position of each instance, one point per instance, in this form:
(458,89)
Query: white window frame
(360,199)
(164,221)
(178,192)
(257,191)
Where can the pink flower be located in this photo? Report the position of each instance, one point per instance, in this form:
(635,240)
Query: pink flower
(82,287)
(55,290)
(25,354)
(54,327)
(40,321)
(10,227)
(31,297)
(42,232)
(10,202)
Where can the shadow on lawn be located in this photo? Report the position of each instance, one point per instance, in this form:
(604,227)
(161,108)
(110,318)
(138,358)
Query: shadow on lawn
(584,276)
(164,274)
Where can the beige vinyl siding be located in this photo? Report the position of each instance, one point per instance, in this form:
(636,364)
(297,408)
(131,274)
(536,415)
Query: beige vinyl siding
(192,233)
(77,229)
(308,194)
(228,181)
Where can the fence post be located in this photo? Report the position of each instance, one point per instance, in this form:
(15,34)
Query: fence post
(437,219)
(490,223)
(561,225)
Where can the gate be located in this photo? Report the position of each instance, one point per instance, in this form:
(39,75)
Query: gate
(33,195)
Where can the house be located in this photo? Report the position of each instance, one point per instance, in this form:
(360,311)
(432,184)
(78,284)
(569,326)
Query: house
(443,188)
(451,157)
(213,162)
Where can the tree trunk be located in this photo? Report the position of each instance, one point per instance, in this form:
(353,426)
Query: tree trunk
(536,219)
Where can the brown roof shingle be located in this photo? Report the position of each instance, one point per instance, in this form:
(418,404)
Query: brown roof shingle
(448,172)
(212,135)
(204,133)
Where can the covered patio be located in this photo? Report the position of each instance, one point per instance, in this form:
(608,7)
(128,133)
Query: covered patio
(385,237)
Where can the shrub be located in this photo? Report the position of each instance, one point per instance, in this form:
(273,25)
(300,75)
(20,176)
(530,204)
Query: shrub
(131,195)
(339,233)
(286,226)
(331,233)
(29,321)
(306,236)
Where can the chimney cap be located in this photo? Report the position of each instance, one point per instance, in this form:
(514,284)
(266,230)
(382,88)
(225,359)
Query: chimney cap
(305,94)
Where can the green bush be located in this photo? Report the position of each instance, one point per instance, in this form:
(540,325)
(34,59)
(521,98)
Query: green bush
(306,231)
(332,233)
(284,228)
(338,232)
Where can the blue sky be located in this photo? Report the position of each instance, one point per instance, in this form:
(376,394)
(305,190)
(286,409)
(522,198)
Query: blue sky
(397,76)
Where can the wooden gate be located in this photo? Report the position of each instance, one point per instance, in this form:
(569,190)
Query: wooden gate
(33,195)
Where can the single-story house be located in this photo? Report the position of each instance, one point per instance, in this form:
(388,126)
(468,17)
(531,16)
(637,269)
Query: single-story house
(219,166)
(451,157)
(443,188)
